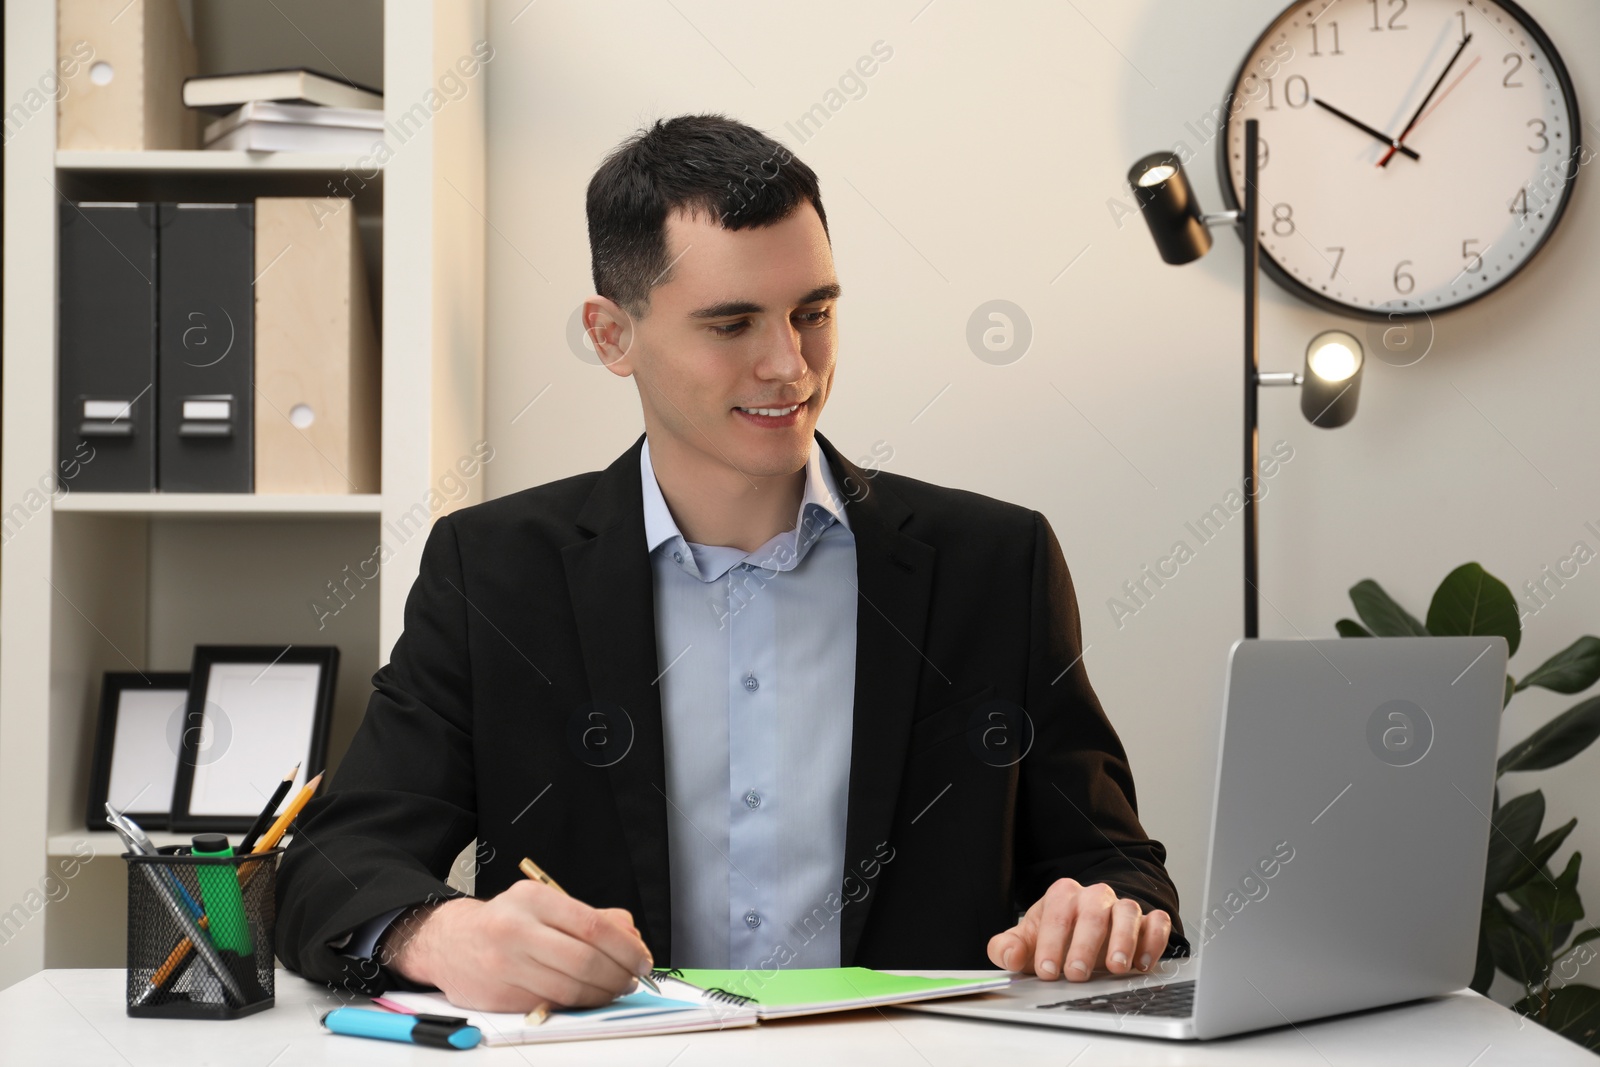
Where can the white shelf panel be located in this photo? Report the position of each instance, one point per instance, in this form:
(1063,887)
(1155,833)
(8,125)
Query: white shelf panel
(223,505)
(201,160)
(106,843)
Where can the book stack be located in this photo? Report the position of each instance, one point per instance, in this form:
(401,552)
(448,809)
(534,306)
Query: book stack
(292,110)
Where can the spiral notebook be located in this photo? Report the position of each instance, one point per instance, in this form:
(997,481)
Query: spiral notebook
(696,999)
(636,1015)
(813,991)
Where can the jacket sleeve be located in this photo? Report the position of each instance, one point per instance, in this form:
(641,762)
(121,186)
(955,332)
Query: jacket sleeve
(402,805)
(1077,814)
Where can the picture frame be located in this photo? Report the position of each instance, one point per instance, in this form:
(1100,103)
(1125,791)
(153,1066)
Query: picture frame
(253,711)
(135,760)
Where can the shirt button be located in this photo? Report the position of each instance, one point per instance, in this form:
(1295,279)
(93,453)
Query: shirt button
(752,799)
(678,556)
(751,919)
(750,682)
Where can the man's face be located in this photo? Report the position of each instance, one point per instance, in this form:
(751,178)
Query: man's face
(746,321)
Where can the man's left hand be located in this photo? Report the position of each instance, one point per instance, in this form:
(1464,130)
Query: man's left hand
(1076,929)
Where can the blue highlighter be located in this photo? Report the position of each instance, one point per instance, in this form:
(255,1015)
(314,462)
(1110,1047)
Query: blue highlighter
(435,1031)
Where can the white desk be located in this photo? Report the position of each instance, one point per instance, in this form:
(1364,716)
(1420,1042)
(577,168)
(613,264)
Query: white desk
(77,1017)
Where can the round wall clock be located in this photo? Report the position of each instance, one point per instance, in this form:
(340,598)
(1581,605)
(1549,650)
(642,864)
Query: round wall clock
(1415,154)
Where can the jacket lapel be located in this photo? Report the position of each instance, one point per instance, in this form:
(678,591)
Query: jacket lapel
(894,575)
(613,598)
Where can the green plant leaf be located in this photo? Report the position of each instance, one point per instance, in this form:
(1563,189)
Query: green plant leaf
(1483,973)
(1540,854)
(1514,945)
(1351,628)
(1573,1011)
(1513,829)
(1587,935)
(1511,687)
(1383,616)
(1572,670)
(1471,602)
(1556,741)
(1552,901)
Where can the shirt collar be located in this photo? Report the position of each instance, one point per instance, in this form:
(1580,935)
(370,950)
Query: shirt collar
(821,500)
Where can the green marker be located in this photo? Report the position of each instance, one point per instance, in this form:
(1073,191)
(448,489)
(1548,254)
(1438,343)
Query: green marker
(219,887)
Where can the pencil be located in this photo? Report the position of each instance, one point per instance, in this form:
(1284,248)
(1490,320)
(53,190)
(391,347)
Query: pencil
(532,870)
(268,842)
(264,820)
(275,832)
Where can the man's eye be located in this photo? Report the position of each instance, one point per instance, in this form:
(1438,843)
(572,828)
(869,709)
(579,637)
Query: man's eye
(810,318)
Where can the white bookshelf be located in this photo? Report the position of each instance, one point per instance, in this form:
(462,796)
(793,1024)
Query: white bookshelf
(222,505)
(98,582)
(204,160)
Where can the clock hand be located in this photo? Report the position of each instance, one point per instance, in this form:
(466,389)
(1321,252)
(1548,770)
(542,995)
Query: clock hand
(1358,124)
(1448,89)
(1384,162)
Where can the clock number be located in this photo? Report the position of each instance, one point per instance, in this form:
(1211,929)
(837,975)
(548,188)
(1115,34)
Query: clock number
(1338,259)
(1403,281)
(1544,140)
(1516,65)
(1282,220)
(1519,203)
(1288,92)
(1262,154)
(1393,23)
(1316,48)
(1473,257)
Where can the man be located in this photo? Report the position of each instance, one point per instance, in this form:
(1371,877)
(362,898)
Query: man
(749,704)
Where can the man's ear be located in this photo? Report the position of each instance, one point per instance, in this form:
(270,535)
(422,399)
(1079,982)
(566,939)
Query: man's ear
(611,332)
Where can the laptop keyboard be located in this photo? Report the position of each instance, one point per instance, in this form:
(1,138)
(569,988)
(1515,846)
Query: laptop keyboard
(1171,1000)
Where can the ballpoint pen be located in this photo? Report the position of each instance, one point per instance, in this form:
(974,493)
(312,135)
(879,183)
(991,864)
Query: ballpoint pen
(139,843)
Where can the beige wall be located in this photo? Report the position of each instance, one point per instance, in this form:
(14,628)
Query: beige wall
(977,166)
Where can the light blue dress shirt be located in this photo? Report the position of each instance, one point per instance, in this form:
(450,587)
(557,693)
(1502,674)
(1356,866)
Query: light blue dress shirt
(757,651)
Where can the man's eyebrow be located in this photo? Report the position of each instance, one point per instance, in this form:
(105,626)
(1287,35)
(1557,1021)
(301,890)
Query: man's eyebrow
(831,291)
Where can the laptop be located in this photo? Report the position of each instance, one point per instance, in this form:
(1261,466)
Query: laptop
(1349,836)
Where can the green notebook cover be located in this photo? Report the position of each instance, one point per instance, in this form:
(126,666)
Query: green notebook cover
(820,986)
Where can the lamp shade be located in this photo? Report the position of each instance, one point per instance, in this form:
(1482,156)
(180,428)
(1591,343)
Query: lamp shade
(1332,385)
(1170,208)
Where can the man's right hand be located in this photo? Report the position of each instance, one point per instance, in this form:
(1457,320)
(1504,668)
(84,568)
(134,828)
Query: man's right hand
(529,946)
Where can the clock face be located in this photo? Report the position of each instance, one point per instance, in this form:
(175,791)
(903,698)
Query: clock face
(1487,126)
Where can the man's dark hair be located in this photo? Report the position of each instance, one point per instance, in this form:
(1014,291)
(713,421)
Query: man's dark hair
(708,165)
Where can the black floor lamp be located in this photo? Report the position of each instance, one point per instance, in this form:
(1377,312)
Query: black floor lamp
(1331,379)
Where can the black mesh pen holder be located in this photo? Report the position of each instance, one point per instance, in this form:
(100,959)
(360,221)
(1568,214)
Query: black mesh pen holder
(217,964)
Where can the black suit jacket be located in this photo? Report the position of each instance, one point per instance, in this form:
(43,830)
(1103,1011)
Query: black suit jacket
(519,707)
